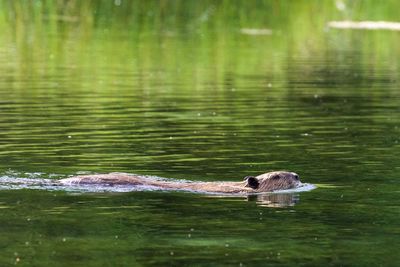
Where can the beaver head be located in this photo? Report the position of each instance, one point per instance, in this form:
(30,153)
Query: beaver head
(271,181)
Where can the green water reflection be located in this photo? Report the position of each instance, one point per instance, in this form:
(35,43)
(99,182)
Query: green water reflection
(175,89)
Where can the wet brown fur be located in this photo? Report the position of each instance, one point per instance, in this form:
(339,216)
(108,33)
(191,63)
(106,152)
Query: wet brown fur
(267,182)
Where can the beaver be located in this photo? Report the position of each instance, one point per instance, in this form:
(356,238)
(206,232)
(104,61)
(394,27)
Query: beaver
(267,182)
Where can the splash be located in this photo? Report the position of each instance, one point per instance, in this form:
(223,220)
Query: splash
(16,182)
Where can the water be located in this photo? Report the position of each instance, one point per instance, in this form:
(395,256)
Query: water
(191,97)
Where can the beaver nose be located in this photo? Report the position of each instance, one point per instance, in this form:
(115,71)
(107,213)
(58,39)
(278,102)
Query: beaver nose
(296,176)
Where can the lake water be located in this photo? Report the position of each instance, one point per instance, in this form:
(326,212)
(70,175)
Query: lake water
(100,89)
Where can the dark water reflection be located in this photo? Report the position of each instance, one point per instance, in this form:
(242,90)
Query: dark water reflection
(206,104)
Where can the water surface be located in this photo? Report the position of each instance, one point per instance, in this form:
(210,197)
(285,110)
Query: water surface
(104,89)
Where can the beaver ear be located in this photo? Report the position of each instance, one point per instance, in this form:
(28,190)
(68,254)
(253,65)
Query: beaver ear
(251,182)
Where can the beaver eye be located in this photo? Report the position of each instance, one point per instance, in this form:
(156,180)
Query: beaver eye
(296,177)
